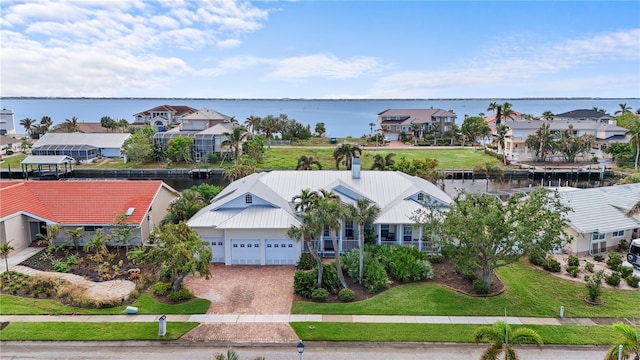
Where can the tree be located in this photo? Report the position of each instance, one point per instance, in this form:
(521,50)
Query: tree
(179,149)
(493,106)
(234,139)
(98,243)
(474,127)
(502,338)
(45,123)
(139,147)
(330,212)
(364,212)
(307,162)
(122,232)
(270,125)
(240,170)
(595,108)
(547,115)
(5,249)
(484,234)
(251,122)
(71,125)
(207,191)
(624,109)
(371,125)
(309,230)
(28,123)
(629,339)
(48,238)
(181,210)
(123,124)
(74,237)
(634,133)
(415,131)
(383,163)
(108,123)
(178,252)
(320,129)
(501,135)
(344,154)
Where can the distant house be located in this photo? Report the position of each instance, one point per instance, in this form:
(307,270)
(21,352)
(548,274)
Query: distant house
(83,147)
(247,222)
(164,116)
(598,220)
(9,144)
(26,207)
(586,114)
(7,122)
(395,121)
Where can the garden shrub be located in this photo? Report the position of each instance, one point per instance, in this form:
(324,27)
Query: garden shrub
(304,282)
(425,269)
(435,258)
(180,295)
(60,266)
(375,276)
(306,261)
(350,261)
(613,279)
(330,280)
(161,288)
(623,245)
(72,260)
(346,295)
(402,262)
(480,287)
(551,264)
(573,261)
(588,266)
(320,295)
(594,285)
(615,260)
(598,257)
(573,270)
(633,281)
(537,256)
(625,271)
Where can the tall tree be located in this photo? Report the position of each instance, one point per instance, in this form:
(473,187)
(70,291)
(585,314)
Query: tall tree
(634,133)
(344,154)
(270,125)
(501,135)
(320,129)
(624,109)
(474,127)
(234,140)
(502,338)
(177,252)
(139,147)
(371,125)
(307,163)
(415,131)
(27,123)
(71,125)
(180,149)
(493,106)
(541,142)
(5,250)
(189,203)
(310,227)
(383,163)
(547,115)
(108,123)
(251,122)
(629,338)
(364,212)
(330,213)
(483,233)
(46,123)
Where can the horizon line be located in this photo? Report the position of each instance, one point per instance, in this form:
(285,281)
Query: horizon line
(316,99)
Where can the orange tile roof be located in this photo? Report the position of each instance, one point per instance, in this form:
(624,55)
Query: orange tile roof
(78,202)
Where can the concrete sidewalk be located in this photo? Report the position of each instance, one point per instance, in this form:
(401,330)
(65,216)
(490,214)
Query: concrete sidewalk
(288,318)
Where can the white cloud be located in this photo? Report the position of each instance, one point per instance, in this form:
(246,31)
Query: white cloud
(322,66)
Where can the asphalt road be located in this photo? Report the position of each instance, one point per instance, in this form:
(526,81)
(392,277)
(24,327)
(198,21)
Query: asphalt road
(313,351)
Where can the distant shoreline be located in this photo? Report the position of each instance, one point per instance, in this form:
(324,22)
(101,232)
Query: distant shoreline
(305,99)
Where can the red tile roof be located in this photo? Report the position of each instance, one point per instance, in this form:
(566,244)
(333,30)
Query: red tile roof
(78,202)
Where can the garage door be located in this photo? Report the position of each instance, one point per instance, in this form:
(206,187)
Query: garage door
(280,252)
(245,252)
(217,247)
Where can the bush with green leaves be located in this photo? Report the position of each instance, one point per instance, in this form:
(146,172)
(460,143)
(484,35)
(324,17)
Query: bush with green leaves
(60,266)
(306,261)
(623,245)
(480,287)
(633,281)
(403,263)
(588,266)
(161,288)
(615,260)
(320,295)
(346,295)
(594,285)
(598,257)
(613,279)
(304,282)
(435,258)
(537,256)
(573,270)
(625,271)
(573,261)
(180,295)
(374,276)
(551,264)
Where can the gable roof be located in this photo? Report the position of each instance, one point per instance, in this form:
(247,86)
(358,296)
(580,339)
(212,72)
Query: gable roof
(93,127)
(176,110)
(582,114)
(47,160)
(602,209)
(76,202)
(388,189)
(100,140)
(206,114)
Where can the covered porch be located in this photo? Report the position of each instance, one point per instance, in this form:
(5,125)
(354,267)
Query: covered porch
(47,166)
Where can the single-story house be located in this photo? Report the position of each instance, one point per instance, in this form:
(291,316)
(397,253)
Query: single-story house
(83,147)
(395,121)
(10,144)
(26,207)
(599,220)
(247,222)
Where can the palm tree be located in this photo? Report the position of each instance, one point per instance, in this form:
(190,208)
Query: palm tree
(46,122)
(72,124)
(547,115)
(330,211)
(502,338)
(435,128)
(184,208)
(307,162)
(305,200)
(5,249)
(630,341)
(507,111)
(123,124)
(624,109)
(345,154)
(364,212)
(269,126)
(234,140)
(371,125)
(382,163)
(107,122)
(595,108)
(501,135)
(309,230)
(251,123)
(74,236)
(27,123)
(415,130)
(493,106)
(634,133)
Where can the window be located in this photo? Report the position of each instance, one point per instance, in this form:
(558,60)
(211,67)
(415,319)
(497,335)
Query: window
(325,233)
(348,229)
(92,228)
(421,197)
(597,236)
(384,230)
(407,233)
(248,199)
(619,233)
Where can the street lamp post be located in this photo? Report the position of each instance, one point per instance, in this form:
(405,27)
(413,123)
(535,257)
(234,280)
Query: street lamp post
(300,348)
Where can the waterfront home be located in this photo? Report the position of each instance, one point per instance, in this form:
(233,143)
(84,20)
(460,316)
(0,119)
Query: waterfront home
(26,207)
(599,219)
(9,145)
(584,115)
(393,122)
(247,222)
(164,116)
(84,147)
(7,122)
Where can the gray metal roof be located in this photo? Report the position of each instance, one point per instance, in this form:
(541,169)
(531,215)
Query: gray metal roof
(564,124)
(99,140)
(47,160)
(206,114)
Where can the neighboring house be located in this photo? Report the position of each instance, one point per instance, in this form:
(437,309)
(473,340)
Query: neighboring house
(247,222)
(28,206)
(7,122)
(164,116)
(586,114)
(604,133)
(93,127)
(203,119)
(598,220)
(9,144)
(395,121)
(491,120)
(81,146)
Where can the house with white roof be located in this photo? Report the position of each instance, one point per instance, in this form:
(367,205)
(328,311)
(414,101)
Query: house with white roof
(247,222)
(83,147)
(599,220)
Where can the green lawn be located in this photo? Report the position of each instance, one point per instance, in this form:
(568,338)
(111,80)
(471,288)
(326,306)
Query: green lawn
(530,292)
(551,334)
(12,162)
(15,305)
(63,331)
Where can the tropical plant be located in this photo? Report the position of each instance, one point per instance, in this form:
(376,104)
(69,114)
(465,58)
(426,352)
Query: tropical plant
(122,231)
(307,163)
(234,140)
(46,123)
(624,109)
(269,125)
(108,123)
(493,106)
(383,163)
(182,209)
(473,127)
(320,129)
(344,154)
(634,132)
(547,115)
(251,123)
(503,338)
(28,123)
(97,244)
(240,170)
(330,212)
(629,339)
(71,125)
(308,231)
(371,125)
(594,285)
(364,212)
(5,250)
(501,135)
(74,237)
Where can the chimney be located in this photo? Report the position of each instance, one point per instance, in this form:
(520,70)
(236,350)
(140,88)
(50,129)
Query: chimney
(355,168)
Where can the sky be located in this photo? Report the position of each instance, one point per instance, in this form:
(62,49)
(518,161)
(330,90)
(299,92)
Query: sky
(320,49)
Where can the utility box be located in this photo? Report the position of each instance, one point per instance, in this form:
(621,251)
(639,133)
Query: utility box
(162,325)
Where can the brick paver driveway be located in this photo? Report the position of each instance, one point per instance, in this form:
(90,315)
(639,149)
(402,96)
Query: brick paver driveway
(245,290)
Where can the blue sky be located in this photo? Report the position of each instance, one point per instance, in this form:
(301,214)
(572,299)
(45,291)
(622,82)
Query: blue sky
(320,49)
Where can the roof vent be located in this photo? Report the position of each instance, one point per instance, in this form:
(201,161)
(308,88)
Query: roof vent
(129,212)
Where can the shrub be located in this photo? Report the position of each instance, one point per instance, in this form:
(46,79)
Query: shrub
(615,260)
(588,266)
(573,261)
(551,264)
(633,281)
(319,295)
(306,262)
(60,266)
(346,295)
(403,263)
(436,258)
(72,260)
(573,270)
(594,285)
(598,257)
(537,256)
(374,276)
(613,279)
(180,295)
(480,287)
(330,280)
(304,282)
(625,271)
(623,245)
(161,288)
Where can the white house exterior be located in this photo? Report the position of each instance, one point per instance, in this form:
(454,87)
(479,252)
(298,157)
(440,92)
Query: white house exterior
(247,222)
(599,221)
(395,121)
(81,146)
(7,122)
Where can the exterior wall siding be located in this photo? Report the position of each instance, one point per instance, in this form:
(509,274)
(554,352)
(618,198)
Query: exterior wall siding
(15,231)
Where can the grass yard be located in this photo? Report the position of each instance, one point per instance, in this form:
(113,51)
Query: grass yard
(12,162)
(16,305)
(75,331)
(530,292)
(560,334)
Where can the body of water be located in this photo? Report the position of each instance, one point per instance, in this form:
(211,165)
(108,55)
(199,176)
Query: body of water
(342,118)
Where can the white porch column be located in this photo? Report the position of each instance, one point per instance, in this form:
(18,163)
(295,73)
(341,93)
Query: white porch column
(399,232)
(378,227)
(420,238)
